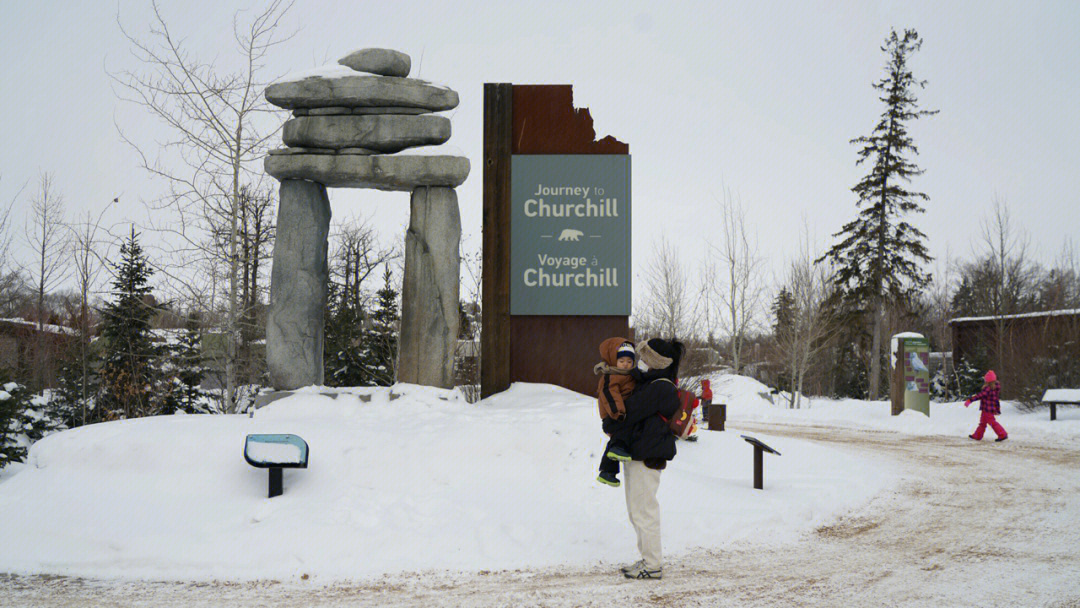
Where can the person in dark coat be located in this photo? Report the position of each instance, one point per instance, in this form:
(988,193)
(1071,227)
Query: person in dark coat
(652,445)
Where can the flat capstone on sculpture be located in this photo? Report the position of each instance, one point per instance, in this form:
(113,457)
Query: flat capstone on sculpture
(351,122)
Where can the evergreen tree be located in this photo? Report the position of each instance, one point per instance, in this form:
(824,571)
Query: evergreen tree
(24,419)
(180,374)
(128,370)
(190,369)
(381,342)
(11,403)
(77,389)
(879,255)
(783,310)
(343,348)
(969,376)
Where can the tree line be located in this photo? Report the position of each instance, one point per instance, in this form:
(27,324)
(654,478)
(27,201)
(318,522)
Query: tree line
(180,328)
(822,327)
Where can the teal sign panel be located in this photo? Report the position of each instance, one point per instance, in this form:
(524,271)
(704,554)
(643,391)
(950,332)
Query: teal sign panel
(570,234)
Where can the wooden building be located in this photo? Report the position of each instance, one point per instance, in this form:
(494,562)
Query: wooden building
(1026,351)
(25,346)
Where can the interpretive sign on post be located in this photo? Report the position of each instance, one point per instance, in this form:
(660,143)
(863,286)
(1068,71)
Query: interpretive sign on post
(911,373)
(570,234)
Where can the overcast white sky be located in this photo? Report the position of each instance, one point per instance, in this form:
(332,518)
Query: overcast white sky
(760,97)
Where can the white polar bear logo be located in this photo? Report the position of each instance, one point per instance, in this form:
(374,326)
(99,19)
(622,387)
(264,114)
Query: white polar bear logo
(570,235)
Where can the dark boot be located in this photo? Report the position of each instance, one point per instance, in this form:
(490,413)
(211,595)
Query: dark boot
(608,479)
(616,452)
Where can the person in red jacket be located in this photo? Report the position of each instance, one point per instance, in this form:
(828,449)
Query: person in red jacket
(990,406)
(706,398)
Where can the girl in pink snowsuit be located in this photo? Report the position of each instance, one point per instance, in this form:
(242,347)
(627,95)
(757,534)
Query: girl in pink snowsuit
(990,406)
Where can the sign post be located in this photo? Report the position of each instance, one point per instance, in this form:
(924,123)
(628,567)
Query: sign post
(556,261)
(911,373)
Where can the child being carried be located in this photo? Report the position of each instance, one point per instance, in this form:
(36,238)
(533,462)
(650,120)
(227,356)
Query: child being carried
(616,384)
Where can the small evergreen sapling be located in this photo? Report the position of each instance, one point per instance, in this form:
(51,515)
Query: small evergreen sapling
(190,371)
(381,341)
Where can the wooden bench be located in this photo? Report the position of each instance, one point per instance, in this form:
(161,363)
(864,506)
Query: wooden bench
(276,452)
(1060,396)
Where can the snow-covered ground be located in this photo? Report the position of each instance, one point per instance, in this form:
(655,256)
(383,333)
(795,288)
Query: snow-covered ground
(749,401)
(415,479)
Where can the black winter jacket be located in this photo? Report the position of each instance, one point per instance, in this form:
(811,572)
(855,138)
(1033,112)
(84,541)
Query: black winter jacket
(649,436)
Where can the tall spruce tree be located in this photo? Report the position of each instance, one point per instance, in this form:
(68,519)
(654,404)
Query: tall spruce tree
(880,255)
(128,371)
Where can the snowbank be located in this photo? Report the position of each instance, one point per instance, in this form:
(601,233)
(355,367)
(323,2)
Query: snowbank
(415,479)
(749,401)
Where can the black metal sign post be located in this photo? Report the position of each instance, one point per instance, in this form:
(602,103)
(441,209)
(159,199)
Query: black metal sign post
(275,482)
(759,460)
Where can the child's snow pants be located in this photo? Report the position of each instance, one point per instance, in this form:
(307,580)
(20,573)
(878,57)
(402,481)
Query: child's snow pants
(985,419)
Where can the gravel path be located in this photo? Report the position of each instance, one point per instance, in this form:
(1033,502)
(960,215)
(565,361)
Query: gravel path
(987,524)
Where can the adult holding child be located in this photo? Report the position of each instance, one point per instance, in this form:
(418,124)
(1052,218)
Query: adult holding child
(651,445)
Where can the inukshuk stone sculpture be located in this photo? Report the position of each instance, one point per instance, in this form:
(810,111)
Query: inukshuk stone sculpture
(349,123)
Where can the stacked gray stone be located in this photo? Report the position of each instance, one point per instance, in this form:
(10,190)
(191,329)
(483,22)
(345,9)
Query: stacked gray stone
(348,126)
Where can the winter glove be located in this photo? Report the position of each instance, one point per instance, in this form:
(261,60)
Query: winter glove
(967,403)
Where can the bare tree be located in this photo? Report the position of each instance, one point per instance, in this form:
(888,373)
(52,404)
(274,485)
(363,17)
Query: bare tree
(10,281)
(1061,287)
(221,127)
(733,279)
(671,309)
(939,302)
(1005,251)
(47,238)
(256,236)
(356,256)
(467,354)
(810,324)
(86,263)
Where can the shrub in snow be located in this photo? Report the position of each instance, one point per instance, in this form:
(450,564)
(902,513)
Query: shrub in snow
(23,420)
(78,386)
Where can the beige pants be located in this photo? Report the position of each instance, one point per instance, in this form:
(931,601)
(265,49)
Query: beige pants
(644,510)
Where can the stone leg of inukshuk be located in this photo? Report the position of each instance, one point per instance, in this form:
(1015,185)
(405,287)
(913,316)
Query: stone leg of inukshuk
(429,294)
(298,285)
